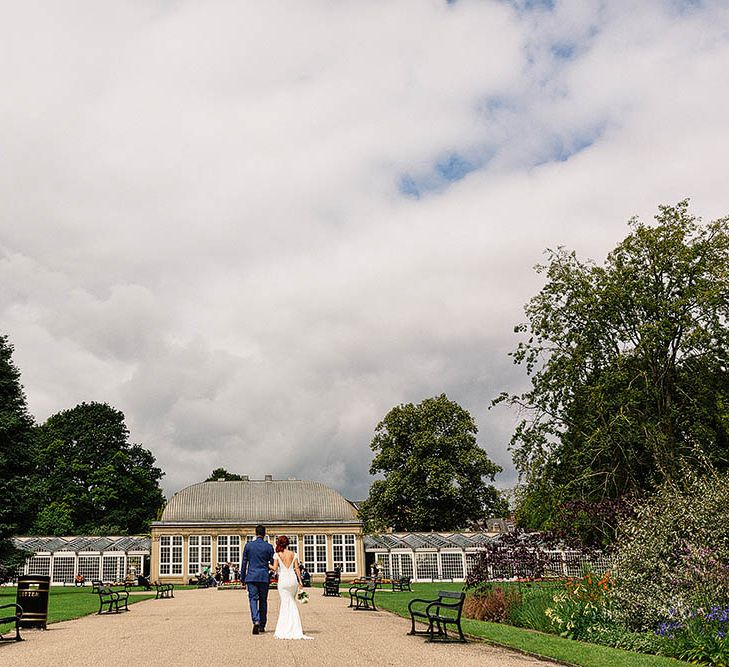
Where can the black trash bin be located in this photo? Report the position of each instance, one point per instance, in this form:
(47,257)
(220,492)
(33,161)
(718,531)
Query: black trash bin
(32,596)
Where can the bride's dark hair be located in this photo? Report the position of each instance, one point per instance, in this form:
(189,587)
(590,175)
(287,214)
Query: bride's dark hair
(281,543)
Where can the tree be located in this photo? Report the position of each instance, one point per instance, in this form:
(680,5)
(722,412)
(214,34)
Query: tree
(56,518)
(629,367)
(434,470)
(89,466)
(16,445)
(222,473)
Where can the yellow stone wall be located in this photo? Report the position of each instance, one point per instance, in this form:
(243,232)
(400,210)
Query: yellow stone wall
(271,530)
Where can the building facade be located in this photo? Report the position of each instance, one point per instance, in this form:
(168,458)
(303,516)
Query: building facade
(207,524)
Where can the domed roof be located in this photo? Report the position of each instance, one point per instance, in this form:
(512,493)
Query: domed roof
(258,501)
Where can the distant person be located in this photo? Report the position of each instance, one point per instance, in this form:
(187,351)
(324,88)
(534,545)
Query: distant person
(226,573)
(79,580)
(305,576)
(254,574)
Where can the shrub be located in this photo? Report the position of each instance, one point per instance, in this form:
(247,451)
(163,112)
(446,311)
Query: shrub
(530,612)
(675,553)
(697,635)
(612,634)
(582,608)
(493,604)
(522,555)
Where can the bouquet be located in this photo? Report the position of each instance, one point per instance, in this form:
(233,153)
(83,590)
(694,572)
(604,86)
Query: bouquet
(303,597)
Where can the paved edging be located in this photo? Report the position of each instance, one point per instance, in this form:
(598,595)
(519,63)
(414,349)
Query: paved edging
(204,627)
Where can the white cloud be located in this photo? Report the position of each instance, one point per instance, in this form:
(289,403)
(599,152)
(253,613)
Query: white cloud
(202,223)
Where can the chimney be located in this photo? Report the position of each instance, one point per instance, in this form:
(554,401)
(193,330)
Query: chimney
(268,478)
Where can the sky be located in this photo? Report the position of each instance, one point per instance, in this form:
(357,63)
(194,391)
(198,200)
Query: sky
(255,227)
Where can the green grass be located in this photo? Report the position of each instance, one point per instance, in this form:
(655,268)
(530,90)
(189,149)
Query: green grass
(529,641)
(66,603)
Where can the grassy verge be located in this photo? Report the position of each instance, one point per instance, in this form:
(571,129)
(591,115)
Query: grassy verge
(529,641)
(66,603)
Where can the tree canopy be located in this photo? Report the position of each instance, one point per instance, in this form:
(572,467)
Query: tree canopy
(16,440)
(435,474)
(93,480)
(629,367)
(222,473)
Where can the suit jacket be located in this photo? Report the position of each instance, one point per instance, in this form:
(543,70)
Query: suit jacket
(256,557)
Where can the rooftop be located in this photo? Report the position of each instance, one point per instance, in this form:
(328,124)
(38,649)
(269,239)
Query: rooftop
(258,501)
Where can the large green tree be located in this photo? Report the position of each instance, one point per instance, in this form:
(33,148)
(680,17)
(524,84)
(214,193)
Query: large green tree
(435,474)
(97,481)
(629,363)
(16,446)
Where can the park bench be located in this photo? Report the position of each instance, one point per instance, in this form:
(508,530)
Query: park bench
(96,585)
(438,614)
(111,600)
(7,617)
(401,584)
(164,590)
(331,583)
(363,596)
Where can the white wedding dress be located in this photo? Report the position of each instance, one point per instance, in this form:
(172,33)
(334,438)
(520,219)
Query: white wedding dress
(289,621)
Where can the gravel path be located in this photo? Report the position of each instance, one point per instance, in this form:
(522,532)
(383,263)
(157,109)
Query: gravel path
(212,628)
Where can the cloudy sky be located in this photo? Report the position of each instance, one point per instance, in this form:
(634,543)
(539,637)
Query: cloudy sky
(255,227)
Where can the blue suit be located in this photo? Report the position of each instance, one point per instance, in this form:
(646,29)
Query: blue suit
(255,573)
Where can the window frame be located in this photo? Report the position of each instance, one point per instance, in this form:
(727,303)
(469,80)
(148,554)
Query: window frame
(342,546)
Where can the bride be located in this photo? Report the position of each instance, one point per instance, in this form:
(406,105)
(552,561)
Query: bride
(286,564)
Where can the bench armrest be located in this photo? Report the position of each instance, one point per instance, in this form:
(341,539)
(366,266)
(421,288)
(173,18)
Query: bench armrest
(420,600)
(437,604)
(18,608)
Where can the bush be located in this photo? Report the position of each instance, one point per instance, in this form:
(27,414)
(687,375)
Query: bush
(494,604)
(675,553)
(530,613)
(612,634)
(697,635)
(582,608)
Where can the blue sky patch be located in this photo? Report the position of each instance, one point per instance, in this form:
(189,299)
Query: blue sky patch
(564,149)
(454,168)
(528,5)
(408,187)
(450,169)
(563,51)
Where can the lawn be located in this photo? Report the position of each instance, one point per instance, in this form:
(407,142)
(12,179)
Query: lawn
(529,641)
(66,603)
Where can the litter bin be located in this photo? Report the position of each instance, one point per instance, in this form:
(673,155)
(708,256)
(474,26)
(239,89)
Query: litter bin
(32,596)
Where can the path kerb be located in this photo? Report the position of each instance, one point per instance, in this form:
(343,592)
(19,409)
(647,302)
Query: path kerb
(212,628)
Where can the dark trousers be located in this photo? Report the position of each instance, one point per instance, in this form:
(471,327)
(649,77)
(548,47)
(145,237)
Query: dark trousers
(258,599)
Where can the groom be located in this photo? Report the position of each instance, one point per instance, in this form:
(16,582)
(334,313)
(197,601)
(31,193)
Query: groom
(254,574)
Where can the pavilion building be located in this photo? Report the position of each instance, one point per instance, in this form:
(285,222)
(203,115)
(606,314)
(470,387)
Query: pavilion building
(209,523)
(109,559)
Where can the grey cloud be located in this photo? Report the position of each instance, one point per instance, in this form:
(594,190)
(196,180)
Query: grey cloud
(201,222)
